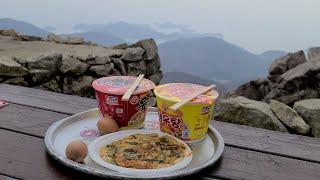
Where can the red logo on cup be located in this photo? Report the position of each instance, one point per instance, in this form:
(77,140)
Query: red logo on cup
(134,99)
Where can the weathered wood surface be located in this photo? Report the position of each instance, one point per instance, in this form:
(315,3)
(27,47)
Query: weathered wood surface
(262,140)
(251,153)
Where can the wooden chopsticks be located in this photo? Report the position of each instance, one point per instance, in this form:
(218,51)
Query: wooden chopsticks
(133,86)
(191,97)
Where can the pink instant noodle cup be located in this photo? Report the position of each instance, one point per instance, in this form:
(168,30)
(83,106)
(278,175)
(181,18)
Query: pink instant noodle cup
(128,114)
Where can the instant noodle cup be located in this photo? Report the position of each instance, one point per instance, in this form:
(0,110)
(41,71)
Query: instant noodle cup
(128,114)
(191,121)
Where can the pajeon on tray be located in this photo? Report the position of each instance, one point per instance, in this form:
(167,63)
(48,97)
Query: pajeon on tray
(83,126)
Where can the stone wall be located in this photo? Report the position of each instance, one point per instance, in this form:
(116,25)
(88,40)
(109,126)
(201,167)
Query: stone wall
(69,66)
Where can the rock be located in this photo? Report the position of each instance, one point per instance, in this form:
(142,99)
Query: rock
(102,70)
(55,38)
(22,61)
(119,64)
(156,77)
(150,47)
(120,46)
(255,90)
(2,79)
(153,66)
(82,86)
(116,72)
(302,94)
(313,52)
(72,66)
(19,81)
(39,75)
(51,85)
(289,117)
(49,62)
(99,60)
(285,63)
(74,40)
(241,110)
(309,110)
(10,67)
(132,54)
(8,32)
(300,77)
(27,38)
(136,68)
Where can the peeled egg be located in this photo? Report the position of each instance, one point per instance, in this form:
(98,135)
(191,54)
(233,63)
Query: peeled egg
(77,151)
(107,125)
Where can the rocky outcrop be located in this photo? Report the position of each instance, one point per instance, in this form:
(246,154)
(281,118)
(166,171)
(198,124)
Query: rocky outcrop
(69,66)
(313,53)
(241,110)
(291,78)
(289,117)
(309,110)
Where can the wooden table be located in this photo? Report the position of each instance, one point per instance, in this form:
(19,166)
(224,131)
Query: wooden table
(250,153)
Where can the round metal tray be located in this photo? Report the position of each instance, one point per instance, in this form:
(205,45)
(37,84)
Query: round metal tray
(83,126)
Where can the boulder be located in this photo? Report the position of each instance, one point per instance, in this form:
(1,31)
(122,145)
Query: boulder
(55,38)
(82,86)
(313,52)
(8,32)
(10,67)
(150,47)
(2,79)
(153,66)
(300,77)
(19,81)
(240,110)
(120,46)
(132,54)
(102,70)
(51,85)
(74,40)
(72,66)
(289,117)
(49,62)
(156,77)
(120,65)
(99,60)
(136,68)
(307,93)
(309,110)
(39,75)
(255,90)
(285,63)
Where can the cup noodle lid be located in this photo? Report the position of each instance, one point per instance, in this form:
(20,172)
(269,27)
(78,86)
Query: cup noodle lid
(178,91)
(118,85)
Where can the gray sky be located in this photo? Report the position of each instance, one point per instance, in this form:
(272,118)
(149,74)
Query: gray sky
(257,25)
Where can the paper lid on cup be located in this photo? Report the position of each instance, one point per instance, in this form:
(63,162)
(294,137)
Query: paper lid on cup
(118,85)
(178,91)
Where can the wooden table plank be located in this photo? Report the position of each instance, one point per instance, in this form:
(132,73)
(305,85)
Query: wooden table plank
(24,156)
(45,99)
(257,139)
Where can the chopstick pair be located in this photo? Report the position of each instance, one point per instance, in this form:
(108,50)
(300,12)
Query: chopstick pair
(176,106)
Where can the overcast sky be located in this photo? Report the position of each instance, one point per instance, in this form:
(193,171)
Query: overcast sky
(257,25)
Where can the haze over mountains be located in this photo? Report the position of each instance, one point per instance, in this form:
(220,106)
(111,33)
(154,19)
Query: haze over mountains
(201,56)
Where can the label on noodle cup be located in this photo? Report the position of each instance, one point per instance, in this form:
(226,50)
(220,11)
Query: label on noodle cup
(128,114)
(191,121)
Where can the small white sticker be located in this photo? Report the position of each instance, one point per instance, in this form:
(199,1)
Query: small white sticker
(119,110)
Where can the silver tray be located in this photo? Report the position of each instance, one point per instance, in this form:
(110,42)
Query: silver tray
(83,126)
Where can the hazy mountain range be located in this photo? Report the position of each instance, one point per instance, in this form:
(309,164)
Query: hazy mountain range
(201,56)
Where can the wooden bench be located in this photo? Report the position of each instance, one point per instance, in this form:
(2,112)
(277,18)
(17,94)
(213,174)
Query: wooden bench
(250,153)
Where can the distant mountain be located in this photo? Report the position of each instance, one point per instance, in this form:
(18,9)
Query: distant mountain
(212,58)
(22,27)
(182,77)
(134,32)
(272,54)
(101,38)
(127,31)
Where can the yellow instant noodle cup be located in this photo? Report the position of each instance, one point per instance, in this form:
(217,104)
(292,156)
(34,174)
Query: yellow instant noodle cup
(191,121)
